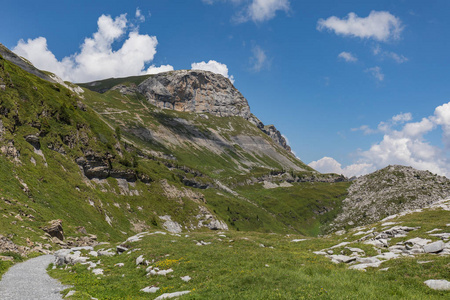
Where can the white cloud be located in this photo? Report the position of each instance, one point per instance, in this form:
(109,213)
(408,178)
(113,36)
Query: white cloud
(256,10)
(213,66)
(365,129)
(97,59)
(263,10)
(376,73)
(402,117)
(161,69)
(139,15)
(398,58)
(259,59)
(379,25)
(330,165)
(406,146)
(347,56)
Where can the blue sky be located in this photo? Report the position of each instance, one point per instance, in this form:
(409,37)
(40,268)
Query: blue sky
(353,85)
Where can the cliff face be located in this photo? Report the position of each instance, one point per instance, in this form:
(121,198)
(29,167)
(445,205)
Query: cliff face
(195,91)
(203,92)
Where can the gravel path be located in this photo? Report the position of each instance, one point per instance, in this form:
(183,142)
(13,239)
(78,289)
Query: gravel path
(29,280)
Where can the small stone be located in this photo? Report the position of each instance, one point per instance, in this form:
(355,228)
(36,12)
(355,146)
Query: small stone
(150,289)
(172,295)
(140,260)
(98,271)
(119,265)
(440,284)
(186,278)
(121,249)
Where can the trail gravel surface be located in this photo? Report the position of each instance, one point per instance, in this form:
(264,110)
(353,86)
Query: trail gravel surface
(29,280)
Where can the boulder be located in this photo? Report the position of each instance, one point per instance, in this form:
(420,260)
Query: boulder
(438,284)
(434,247)
(55,229)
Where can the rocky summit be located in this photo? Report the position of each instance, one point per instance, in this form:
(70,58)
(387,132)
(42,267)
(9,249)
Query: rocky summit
(195,91)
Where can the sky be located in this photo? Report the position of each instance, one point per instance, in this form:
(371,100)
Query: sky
(353,85)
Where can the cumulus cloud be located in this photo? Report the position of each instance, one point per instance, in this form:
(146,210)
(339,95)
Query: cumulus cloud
(213,66)
(256,10)
(259,59)
(376,73)
(347,56)
(405,146)
(378,25)
(96,59)
(330,165)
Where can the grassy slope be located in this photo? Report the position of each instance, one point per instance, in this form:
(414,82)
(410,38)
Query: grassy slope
(106,84)
(58,191)
(234,267)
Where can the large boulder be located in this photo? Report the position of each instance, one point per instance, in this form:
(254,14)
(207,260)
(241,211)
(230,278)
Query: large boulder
(55,229)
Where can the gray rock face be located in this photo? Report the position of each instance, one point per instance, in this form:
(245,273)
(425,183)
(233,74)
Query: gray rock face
(195,91)
(434,247)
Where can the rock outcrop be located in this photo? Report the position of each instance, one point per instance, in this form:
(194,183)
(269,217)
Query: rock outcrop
(195,91)
(201,92)
(389,191)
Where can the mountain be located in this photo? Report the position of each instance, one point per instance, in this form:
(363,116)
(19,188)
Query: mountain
(124,160)
(128,164)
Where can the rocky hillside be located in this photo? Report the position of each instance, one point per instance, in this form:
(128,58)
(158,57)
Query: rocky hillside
(193,91)
(105,165)
(389,191)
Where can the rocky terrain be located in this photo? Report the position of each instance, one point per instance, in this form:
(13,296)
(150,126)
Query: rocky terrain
(389,191)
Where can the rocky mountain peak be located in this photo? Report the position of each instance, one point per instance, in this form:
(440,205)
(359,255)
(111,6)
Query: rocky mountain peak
(195,91)
(203,92)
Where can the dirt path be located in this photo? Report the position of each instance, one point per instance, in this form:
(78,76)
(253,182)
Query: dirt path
(29,280)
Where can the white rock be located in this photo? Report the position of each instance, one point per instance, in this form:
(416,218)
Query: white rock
(93,253)
(434,230)
(140,260)
(150,289)
(172,295)
(434,247)
(419,241)
(298,240)
(368,260)
(340,245)
(438,284)
(342,258)
(161,272)
(98,271)
(387,256)
(444,236)
(362,267)
(119,265)
(384,269)
(186,278)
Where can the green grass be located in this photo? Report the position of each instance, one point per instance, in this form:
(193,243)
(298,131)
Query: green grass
(102,86)
(234,267)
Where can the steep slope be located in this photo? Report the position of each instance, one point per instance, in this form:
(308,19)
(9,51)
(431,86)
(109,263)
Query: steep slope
(111,164)
(389,191)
